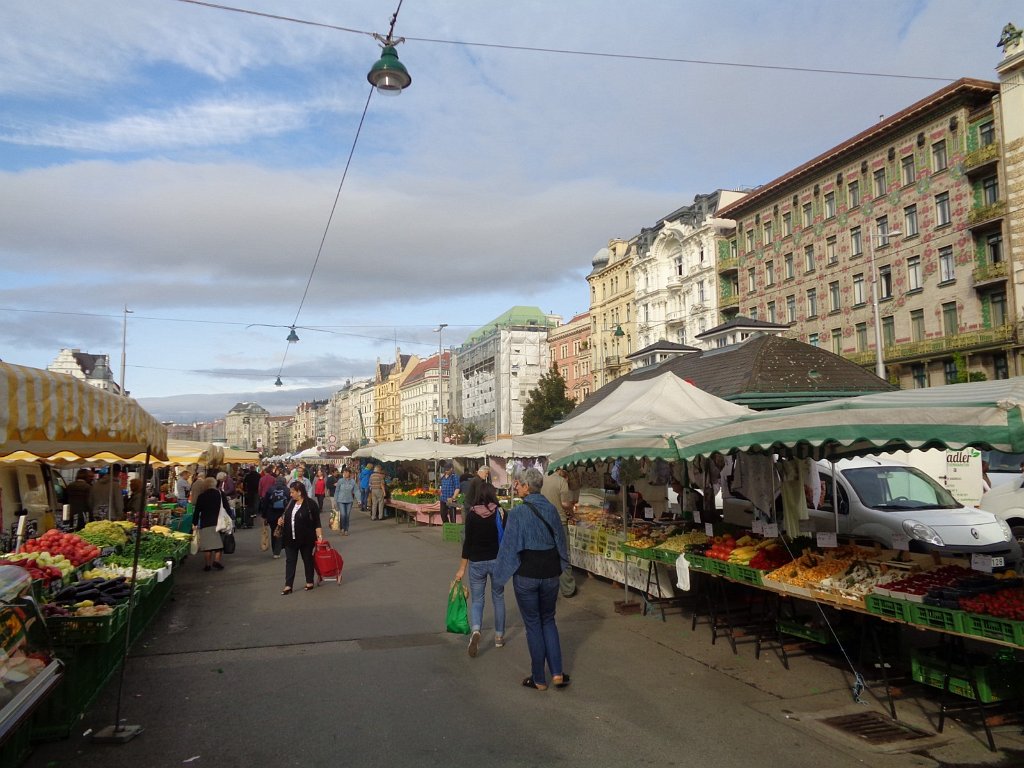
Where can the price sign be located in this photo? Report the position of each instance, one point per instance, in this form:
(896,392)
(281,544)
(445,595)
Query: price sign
(709,530)
(696,515)
(986,563)
(901,541)
(648,513)
(757,526)
(806,526)
(827,540)
(771,530)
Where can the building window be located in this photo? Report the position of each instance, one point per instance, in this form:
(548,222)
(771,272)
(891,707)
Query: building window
(837,341)
(830,205)
(750,240)
(787,224)
(997,304)
(858,289)
(917,324)
(788,265)
(831,252)
(813,340)
(861,330)
(950,372)
(990,190)
(769,272)
(808,215)
(752,314)
(994,248)
(942,217)
(808,258)
(812,302)
(987,133)
(1001,366)
(910,221)
(885,282)
(856,245)
(679,266)
(888,331)
(772,318)
(950,323)
(882,228)
(767,232)
(914,273)
(879,182)
(946,267)
(700,256)
(751,280)
(791,308)
(919,375)
(701,296)
(908,170)
(854,192)
(834,301)
(939,162)
(733,249)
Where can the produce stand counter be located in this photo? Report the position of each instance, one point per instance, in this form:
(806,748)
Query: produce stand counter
(422,514)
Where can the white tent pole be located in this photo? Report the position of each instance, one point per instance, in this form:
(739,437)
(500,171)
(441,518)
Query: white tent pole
(835,491)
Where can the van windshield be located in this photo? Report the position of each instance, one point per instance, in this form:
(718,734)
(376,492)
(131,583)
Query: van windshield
(898,488)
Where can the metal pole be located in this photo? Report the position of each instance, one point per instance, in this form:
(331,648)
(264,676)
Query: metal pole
(124,339)
(440,385)
(879,357)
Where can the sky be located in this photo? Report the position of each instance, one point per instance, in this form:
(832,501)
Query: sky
(188,163)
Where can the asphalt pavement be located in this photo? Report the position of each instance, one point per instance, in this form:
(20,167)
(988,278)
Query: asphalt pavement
(232,673)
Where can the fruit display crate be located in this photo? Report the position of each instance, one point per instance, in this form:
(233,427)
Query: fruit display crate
(888,607)
(993,628)
(642,553)
(995,681)
(698,562)
(934,617)
(797,628)
(666,555)
(85,630)
(451,532)
(746,574)
(718,567)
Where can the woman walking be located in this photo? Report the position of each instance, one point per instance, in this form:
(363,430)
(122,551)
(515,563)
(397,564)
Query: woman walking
(531,554)
(320,488)
(302,530)
(344,497)
(209,502)
(483,531)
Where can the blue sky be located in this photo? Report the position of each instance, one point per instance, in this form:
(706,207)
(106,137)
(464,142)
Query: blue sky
(183,161)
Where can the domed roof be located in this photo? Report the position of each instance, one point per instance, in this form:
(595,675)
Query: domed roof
(601,258)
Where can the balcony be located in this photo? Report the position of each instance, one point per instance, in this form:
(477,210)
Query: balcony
(940,346)
(986,214)
(675,280)
(729,301)
(981,159)
(612,361)
(988,274)
(675,316)
(725,266)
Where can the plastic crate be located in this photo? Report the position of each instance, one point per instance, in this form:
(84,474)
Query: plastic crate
(745,573)
(666,555)
(794,628)
(937,618)
(697,562)
(643,554)
(889,607)
(994,681)
(451,532)
(993,628)
(85,630)
(718,567)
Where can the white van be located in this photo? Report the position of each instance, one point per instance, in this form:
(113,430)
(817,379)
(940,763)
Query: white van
(879,497)
(35,488)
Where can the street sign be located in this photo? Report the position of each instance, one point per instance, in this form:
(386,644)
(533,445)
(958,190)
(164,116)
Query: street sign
(332,439)
(439,420)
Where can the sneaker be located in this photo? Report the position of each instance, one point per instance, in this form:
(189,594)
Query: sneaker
(499,641)
(277,557)
(474,644)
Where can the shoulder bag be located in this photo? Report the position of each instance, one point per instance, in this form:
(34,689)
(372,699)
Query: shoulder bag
(566,581)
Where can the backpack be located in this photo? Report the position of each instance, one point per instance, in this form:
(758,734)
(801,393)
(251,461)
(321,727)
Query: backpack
(278,497)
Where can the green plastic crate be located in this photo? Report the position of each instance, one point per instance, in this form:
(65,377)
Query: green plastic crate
(936,618)
(746,574)
(451,532)
(993,628)
(889,607)
(718,567)
(698,562)
(85,630)
(815,634)
(995,681)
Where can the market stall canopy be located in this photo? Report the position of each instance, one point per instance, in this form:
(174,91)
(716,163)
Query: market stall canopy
(235,456)
(648,403)
(180,453)
(413,450)
(44,413)
(984,415)
(524,446)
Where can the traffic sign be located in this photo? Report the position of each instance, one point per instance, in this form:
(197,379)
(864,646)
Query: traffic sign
(332,439)
(439,420)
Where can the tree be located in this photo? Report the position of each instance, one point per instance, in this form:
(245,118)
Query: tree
(461,432)
(546,404)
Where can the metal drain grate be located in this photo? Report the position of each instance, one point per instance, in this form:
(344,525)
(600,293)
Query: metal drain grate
(875,728)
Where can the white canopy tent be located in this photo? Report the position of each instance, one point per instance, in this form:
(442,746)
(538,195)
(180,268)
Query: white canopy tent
(414,450)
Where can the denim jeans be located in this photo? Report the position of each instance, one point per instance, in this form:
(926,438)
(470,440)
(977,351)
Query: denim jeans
(346,513)
(536,599)
(478,573)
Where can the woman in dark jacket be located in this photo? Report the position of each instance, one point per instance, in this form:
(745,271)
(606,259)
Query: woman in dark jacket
(302,530)
(479,550)
(204,522)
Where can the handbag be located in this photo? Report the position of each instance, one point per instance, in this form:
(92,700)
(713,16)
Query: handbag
(265,538)
(566,580)
(279,531)
(224,522)
(457,616)
(227,541)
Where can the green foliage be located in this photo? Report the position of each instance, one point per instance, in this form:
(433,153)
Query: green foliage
(546,404)
(463,432)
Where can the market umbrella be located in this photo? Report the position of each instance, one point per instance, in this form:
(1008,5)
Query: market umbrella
(983,415)
(236,456)
(413,450)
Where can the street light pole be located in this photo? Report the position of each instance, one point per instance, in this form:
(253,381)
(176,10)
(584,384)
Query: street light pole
(440,385)
(124,339)
(879,352)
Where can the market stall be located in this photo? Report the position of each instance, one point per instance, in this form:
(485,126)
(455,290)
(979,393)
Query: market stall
(42,415)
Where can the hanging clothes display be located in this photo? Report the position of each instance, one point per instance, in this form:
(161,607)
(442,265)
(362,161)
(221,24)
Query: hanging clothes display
(794,500)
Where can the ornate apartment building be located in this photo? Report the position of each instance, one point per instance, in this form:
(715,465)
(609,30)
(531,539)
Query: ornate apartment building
(569,346)
(915,208)
(245,427)
(612,330)
(387,401)
(420,396)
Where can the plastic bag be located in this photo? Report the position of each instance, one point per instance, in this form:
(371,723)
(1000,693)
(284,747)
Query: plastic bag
(224,522)
(335,522)
(194,546)
(265,538)
(457,617)
(683,573)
